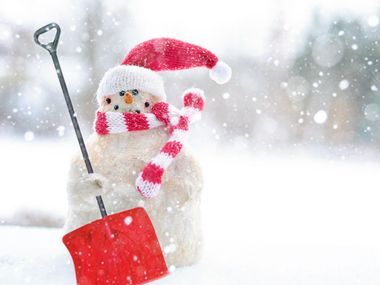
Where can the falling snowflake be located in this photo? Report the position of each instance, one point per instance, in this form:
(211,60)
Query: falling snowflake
(372,112)
(128,220)
(328,50)
(29,136)
(343,85)
(320,117)
(61,130)
(171,268)
(297,88)
(226,95)
(373,21)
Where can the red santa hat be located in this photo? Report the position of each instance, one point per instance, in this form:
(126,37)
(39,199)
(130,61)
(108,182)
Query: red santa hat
(139,68)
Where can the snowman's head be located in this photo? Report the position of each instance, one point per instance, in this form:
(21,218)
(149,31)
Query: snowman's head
(133,101)
(129,89)
(135,84)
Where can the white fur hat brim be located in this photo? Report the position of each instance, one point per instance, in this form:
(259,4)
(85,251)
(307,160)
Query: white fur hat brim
(129,77)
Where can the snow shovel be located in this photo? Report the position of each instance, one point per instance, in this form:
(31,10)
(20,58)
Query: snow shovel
(117,249)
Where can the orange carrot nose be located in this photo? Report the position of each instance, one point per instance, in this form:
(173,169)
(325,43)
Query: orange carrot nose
(128,98)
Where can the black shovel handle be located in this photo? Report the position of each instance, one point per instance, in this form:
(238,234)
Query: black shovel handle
(52,49)
(52,46)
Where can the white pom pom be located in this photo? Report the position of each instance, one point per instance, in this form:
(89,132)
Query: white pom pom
(221,72)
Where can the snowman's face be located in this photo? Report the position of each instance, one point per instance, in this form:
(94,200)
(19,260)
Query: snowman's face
(133,101)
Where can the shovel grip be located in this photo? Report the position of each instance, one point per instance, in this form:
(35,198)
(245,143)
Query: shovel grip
(52,46)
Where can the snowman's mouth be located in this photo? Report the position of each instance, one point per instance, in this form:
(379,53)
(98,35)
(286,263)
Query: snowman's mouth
(137,111)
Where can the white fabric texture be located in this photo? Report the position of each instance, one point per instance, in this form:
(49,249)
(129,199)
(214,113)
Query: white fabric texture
(128,77)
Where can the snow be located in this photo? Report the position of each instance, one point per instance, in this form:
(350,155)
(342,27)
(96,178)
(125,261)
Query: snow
(34,256)
(61,131)
(128,220)
(40,258)
(320,117)
(373,21)
(327,50)
(29,136)
(269,218)
(226,95)
(343,85)
(297,88)
(372,112)
(35,175)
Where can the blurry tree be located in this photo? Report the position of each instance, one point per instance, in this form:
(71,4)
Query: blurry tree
(325,90)
(30,93)
(336,75)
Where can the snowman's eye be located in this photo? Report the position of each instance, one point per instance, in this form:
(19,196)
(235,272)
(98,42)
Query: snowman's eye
(135,92)
(146,104)
(116,107)
(121,93)
(108,101)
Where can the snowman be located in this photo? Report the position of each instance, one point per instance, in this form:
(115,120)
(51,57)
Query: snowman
(138,149)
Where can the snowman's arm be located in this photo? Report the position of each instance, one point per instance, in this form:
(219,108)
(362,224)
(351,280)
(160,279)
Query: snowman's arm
(94,184)
(82,188)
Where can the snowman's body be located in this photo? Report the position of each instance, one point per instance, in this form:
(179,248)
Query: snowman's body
(118,159)
(134,87)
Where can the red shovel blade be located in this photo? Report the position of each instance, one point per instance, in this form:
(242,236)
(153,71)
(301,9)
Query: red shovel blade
(118,249)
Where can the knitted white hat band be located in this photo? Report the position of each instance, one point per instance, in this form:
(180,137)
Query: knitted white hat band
(128,77)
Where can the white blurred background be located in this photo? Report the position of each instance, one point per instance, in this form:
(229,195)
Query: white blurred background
(290,146)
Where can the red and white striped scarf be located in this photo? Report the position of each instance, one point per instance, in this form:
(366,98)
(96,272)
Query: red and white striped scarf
(148,182)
